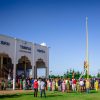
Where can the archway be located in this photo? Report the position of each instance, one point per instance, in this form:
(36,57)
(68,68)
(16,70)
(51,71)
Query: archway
(6,67)
(40,65)
(24,68)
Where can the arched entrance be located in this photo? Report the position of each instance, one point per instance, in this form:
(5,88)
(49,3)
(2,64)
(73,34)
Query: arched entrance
(40,64)
(24,68)
(6,67)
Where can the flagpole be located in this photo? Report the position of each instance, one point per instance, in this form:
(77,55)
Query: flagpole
(87,55)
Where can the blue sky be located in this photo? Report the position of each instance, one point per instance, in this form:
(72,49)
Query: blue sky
(59,23)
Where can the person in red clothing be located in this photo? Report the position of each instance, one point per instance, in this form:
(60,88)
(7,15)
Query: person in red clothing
(74,85)
(35,88)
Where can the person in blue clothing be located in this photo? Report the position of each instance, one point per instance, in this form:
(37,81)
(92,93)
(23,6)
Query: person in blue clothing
(42,88)
(59,84)
(32,83)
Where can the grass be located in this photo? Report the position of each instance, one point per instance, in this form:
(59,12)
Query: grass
(53,96)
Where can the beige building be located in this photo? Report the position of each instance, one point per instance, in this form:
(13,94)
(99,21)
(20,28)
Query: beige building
(19,57)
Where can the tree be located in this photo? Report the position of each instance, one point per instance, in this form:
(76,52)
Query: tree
(98,75)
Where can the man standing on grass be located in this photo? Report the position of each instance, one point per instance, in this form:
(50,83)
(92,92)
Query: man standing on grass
(42,88)
(35,88)
(74,85)
(87,85)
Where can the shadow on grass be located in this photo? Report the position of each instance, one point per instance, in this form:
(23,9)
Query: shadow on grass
(94,92)
(20,95)
(9,96)
(54,94)
(13,95)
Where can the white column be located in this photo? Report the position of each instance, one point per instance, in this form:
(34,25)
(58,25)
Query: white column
(34,72)
(48,63)
(33,62)
(46,72)
(1,64)
(14,67)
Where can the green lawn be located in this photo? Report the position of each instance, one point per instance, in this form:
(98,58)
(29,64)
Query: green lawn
(54,96)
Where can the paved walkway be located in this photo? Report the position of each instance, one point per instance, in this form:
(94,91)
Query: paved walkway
(4,92)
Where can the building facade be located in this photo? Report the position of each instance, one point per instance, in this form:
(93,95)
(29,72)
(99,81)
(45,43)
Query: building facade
(19,57)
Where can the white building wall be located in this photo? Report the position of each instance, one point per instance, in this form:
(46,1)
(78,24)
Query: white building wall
(37,51)
(41,52)
(7,49)
(21,51)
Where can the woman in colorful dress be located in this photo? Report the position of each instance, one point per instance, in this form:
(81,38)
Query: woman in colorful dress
(63,86)
(68,86)
(53,85)
(77,86)
(56,84)
(96,85)
(48,85)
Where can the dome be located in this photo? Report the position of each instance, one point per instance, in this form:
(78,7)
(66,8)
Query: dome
(43,44)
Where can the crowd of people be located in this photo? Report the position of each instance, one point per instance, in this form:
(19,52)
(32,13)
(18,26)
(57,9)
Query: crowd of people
(20,84)
(69,85)
(58,84)
(65,85)
(4,84)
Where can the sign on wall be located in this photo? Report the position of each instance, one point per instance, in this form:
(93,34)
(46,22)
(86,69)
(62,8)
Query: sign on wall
(40,51)
(4,43)
(25,49)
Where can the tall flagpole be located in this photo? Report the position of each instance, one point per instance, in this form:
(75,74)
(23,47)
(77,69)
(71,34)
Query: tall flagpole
(86,62)
(87,55)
